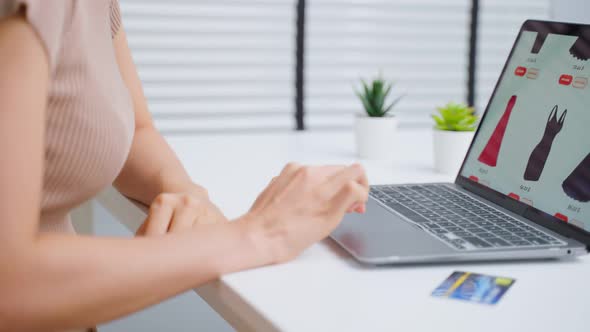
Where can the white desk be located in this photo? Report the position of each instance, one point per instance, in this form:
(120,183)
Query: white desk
(325,289)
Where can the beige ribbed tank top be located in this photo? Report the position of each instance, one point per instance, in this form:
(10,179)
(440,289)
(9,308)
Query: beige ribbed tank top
(89,114)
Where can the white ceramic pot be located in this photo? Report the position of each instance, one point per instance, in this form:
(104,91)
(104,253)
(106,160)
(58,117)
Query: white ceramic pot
(375,137)
(450,148)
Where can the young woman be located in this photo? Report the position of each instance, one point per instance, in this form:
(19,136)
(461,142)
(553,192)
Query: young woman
(73,120)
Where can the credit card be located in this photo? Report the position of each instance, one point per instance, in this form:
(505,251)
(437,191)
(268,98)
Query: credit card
(473,287)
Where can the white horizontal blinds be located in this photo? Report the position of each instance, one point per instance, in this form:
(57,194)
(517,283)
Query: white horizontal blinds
(500,21)
(420,44)
(215,64)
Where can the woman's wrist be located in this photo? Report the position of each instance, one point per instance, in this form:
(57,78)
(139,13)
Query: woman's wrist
(265,245)
(178,181)
(184,186)
(244,247)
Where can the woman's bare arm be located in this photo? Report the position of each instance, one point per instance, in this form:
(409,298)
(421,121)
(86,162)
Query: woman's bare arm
(152,167)
(60,281)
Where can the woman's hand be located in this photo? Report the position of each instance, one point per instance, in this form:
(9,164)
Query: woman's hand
(178,212)
(303,205)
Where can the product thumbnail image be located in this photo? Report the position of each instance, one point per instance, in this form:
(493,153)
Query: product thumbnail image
(577,184)
(580,48)
(540,153)
(489,155)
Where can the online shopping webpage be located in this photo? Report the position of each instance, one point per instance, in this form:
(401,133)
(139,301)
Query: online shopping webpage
(534,144)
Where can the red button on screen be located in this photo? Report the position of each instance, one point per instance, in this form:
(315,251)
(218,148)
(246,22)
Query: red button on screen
(565,79)
(514,196)
(520,71)
(474,178)
(561,217)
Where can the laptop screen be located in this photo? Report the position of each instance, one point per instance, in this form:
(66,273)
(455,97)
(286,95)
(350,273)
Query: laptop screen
(534,142)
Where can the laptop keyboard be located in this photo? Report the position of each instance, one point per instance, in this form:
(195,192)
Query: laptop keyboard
(458,219)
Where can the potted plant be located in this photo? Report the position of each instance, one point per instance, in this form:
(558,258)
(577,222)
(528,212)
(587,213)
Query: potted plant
(375,129)
(454,128)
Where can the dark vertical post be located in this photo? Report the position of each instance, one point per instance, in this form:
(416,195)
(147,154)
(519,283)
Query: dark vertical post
(472,66)
(300,66)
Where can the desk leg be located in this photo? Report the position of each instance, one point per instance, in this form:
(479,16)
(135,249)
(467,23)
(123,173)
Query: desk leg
(230,306)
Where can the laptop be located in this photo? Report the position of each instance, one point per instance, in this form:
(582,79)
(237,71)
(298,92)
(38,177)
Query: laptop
(523,190)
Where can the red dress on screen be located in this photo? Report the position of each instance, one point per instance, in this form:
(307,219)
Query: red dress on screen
(489,155)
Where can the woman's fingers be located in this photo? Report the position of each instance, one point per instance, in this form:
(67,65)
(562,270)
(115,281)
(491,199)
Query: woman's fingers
(313,175)
(287,174)
(160,214)
(333,184)
(350,193)
(321,173)
(183,219)
(173,213)
(216,215)
(341,183)
(277,184)
(356,207)
(265,195)
(141,230)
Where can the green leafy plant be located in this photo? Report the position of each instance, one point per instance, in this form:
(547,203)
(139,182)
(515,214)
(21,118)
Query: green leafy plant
(374,98)
(455,117)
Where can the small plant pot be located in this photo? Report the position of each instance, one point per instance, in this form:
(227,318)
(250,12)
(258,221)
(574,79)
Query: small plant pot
(450,148)
(375,137)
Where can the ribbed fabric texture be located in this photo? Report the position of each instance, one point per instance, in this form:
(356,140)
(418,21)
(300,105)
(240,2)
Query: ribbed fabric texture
(115,15)
(89,114)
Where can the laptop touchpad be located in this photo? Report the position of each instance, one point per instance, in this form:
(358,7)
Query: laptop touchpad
(380,233)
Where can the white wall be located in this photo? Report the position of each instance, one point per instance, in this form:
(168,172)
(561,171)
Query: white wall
(571,10)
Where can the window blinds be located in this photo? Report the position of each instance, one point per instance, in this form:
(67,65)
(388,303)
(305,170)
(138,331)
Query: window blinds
(210,65)
(419,44)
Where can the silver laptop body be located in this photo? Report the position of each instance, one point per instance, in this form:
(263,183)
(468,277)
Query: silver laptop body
(523,191)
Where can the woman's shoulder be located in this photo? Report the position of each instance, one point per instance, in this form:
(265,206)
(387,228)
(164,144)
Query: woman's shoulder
(48,18)
(52,19)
